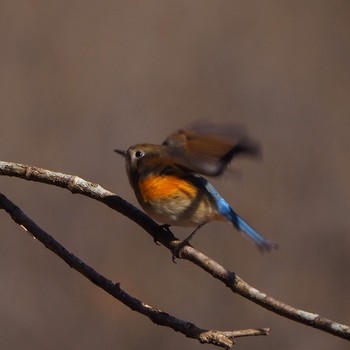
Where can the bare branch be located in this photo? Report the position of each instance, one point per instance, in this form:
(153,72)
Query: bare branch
(224,339)
(230,279)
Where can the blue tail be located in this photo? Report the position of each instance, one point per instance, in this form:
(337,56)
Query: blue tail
(248,231)
(224,209)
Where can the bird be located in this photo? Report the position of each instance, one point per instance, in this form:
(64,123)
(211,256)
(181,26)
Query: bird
(169,183)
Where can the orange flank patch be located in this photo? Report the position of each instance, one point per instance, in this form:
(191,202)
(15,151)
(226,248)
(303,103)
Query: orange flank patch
(163,187)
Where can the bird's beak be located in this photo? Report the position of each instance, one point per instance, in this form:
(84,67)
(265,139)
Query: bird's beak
(123,153)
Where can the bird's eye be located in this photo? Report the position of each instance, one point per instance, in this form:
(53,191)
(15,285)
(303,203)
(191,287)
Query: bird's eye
(139,154)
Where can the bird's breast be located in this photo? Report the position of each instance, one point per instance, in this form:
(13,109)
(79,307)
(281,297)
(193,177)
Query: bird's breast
(174,200)
(156,188)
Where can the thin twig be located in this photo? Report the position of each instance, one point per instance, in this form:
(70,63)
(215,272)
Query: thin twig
(224,339)
(230,279)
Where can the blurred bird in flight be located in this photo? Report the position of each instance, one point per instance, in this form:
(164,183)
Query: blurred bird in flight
(168,184)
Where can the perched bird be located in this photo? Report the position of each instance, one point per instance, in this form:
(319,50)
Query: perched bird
(167,178)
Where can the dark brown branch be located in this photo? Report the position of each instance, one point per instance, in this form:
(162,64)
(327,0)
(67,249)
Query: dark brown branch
(230,279)
(223,339)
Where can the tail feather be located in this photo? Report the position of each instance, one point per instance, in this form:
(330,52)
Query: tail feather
(225,210)
(243,227)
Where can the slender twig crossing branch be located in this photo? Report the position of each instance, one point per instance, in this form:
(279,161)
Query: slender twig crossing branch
(224,339)
(231,280)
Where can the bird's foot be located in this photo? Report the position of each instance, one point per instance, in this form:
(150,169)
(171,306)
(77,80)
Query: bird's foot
(186,241)
(178,250)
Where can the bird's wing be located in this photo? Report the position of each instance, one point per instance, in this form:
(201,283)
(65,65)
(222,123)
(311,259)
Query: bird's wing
(207,148)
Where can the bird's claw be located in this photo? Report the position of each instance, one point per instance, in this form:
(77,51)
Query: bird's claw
(155,240)
(186,241)
(178,250)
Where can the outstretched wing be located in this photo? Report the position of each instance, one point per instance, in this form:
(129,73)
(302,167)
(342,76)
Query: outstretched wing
(207,148)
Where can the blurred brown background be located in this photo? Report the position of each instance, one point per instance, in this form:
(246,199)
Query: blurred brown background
(79,78)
